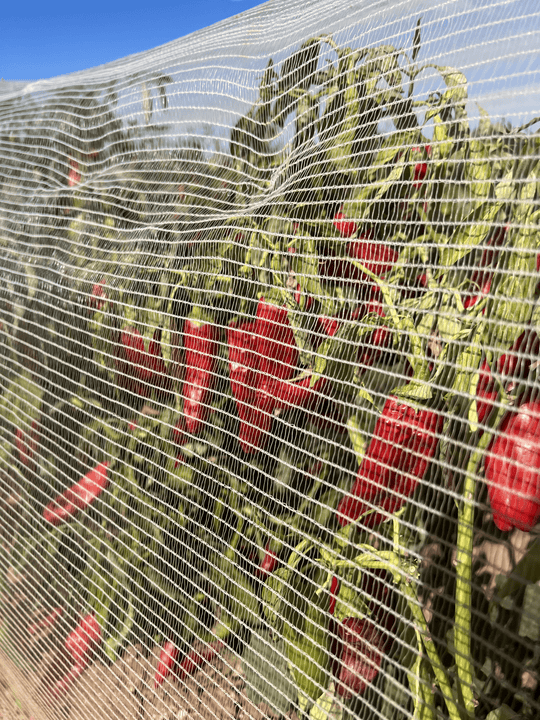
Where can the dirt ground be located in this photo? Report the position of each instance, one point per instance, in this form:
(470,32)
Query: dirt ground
(126,690)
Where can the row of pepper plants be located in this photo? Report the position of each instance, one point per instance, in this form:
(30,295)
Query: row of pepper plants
(240,399)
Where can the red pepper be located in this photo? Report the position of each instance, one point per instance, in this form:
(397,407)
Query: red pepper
(167,662)
(275,342)
(362,652)
(255,421)
(62,686)
(377,341)
(483,281)
(27,443)
(328,325)
(268,564)
(334,270)
(398,456)
(512,469)
(200,343)
(334,592)
(377,257)
(160,378)
(46,623)
(83,641)
(517,362)
(139,370)
(420,168)
(513,364)
(98,296)
(178,433)
(343,225)
(196,659)
(262,358)
(74,176)
(132,361)
(78,496)
(483,274)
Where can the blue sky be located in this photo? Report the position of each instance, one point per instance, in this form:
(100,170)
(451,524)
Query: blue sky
(41,40)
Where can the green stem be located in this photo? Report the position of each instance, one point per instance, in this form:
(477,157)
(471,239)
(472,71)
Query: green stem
(417,357)
(431,650)
(465,537)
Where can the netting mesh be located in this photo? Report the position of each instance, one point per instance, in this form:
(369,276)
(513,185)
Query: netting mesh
(269,346)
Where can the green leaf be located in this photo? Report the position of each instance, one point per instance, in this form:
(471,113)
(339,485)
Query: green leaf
(471,235)
(267,674)
(442,144)
(336,357)
(415,390)
(478,169)
(503,713)
(512,308)
(272,595)
(529,625)
(526,571)
(466,367)
(327,706)
(349,603)
(456,83)
(416,40)
(449,322)
(359,439)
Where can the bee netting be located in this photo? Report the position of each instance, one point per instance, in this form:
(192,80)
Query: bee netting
(269,346)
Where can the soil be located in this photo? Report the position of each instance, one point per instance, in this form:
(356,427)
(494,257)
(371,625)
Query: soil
(126,690)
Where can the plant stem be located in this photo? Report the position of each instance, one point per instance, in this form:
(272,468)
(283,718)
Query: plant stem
(462,622)
(431,651)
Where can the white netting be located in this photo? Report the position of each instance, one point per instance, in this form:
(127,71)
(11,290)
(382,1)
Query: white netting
(269,346)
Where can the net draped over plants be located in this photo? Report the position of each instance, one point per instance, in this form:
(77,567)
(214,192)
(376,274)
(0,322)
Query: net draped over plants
(270,371)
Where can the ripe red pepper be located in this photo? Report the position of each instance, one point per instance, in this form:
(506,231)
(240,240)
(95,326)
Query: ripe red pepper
(334,270)
(517,361)
(377,257)
(167,662)
(344,226)
(268,564)
(83,641)
(62,686)
(195,659)
(512,469)
(200,343)
(420,168)
(178,433)
(131,362)
(26,443)
(262,358)
(334,591)
(78,496)
(362,652)
(275,342)
(47,622)
(482,276)
(255,421)
(138,370)
(328,325)
(74,176)
(513,364)
(160,379)
(380,339)
(483,280)
(98,296)
(403,443)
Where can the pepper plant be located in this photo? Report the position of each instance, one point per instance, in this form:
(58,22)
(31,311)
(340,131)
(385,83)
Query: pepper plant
(273,385)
